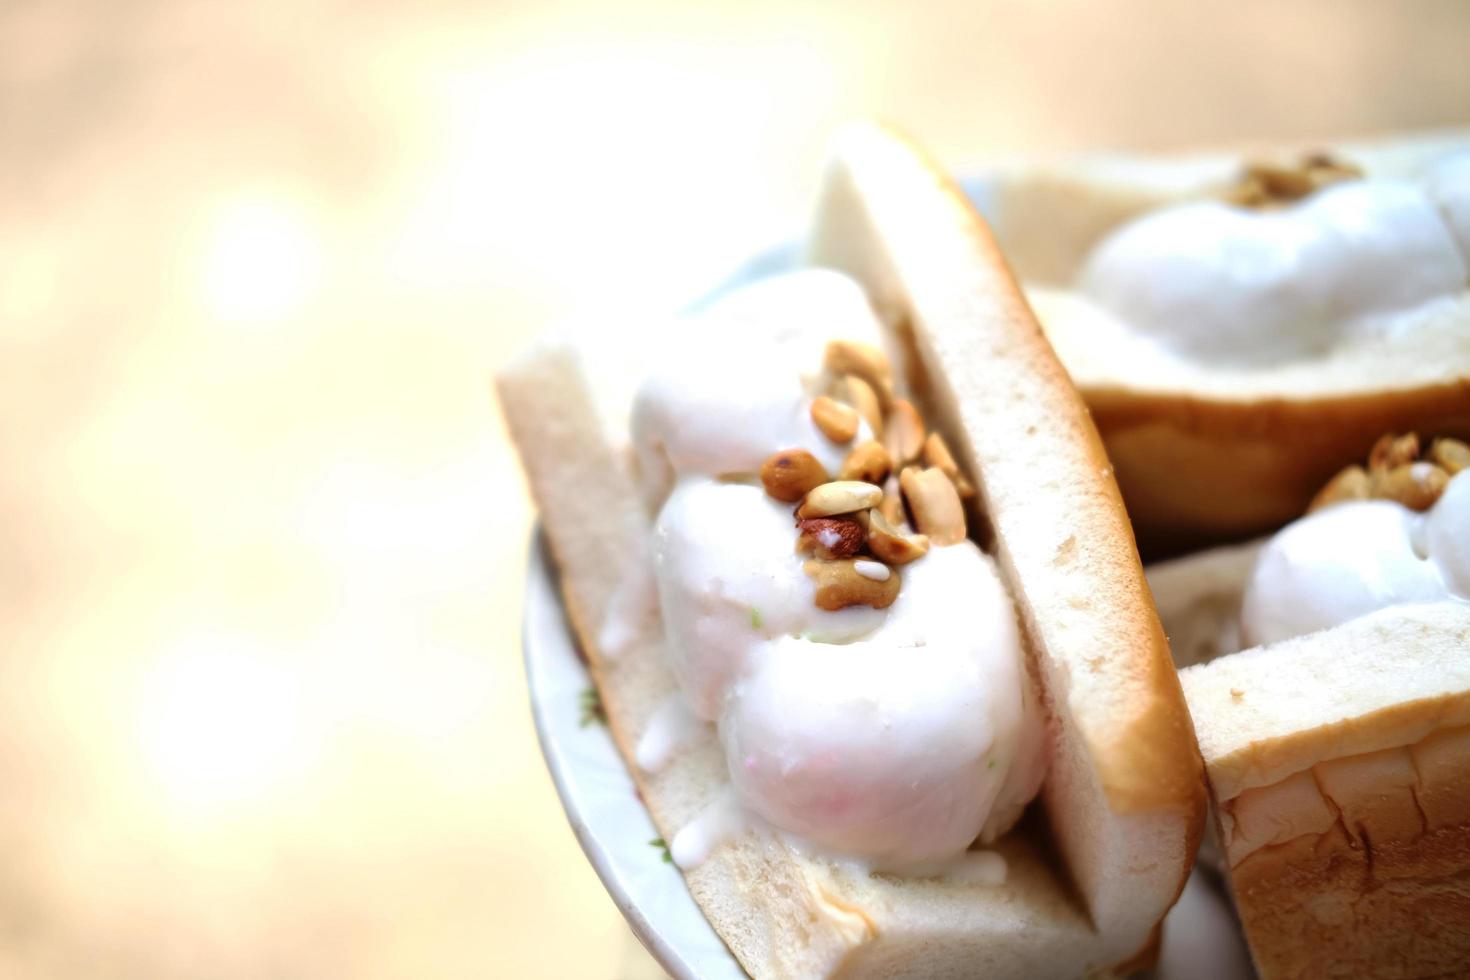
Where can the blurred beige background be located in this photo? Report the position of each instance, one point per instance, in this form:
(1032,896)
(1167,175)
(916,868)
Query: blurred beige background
(261,535)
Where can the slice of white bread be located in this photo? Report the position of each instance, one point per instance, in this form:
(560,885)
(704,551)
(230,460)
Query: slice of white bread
(1123,794)
(1204,452)
(1125,797)
(1339,768)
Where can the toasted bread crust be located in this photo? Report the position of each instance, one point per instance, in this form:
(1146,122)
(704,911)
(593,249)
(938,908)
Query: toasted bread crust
(1062,536)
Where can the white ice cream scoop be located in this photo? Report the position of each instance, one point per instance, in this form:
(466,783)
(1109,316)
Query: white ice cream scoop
(1209,280)
(903,747)
(729,578)
(898,736)
(1352,558)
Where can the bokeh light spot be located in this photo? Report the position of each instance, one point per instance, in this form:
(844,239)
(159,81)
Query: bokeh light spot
(262,259)
(219,723)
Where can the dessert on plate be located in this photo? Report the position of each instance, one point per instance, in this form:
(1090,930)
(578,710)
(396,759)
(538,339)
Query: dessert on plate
(1244,324)
(864,608)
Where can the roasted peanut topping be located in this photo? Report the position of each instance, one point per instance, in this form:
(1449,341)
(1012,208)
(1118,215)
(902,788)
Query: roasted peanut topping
(869,463)
(1351,483)
(937,454)
(841,584)
(1268,184)
(839,497)
(935,504)
(891,544)
(837,421)
(866,362)
(1395,472)
(1391,450)
(892,506)
(1452,454)
(1415,485)
(830,537)
(904,435)
(856,526)
(790,474)
(861,396)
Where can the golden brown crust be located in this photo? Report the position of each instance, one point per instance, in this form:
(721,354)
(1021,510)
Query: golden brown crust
(1198,469)
(1335,905)
(1324,906)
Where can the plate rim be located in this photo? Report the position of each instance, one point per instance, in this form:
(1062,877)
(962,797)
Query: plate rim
(539,638)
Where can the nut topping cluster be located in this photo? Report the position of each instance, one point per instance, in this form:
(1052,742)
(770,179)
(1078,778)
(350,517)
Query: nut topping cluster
(1267,184)
(894,495)
(1398,470)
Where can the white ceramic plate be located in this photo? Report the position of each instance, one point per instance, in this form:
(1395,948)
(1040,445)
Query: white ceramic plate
(1201,940)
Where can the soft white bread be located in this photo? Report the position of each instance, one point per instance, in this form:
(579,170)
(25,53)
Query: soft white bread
(1123,794)
(1380,681)
(1205,451)
(1339,767)
(1126,796)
